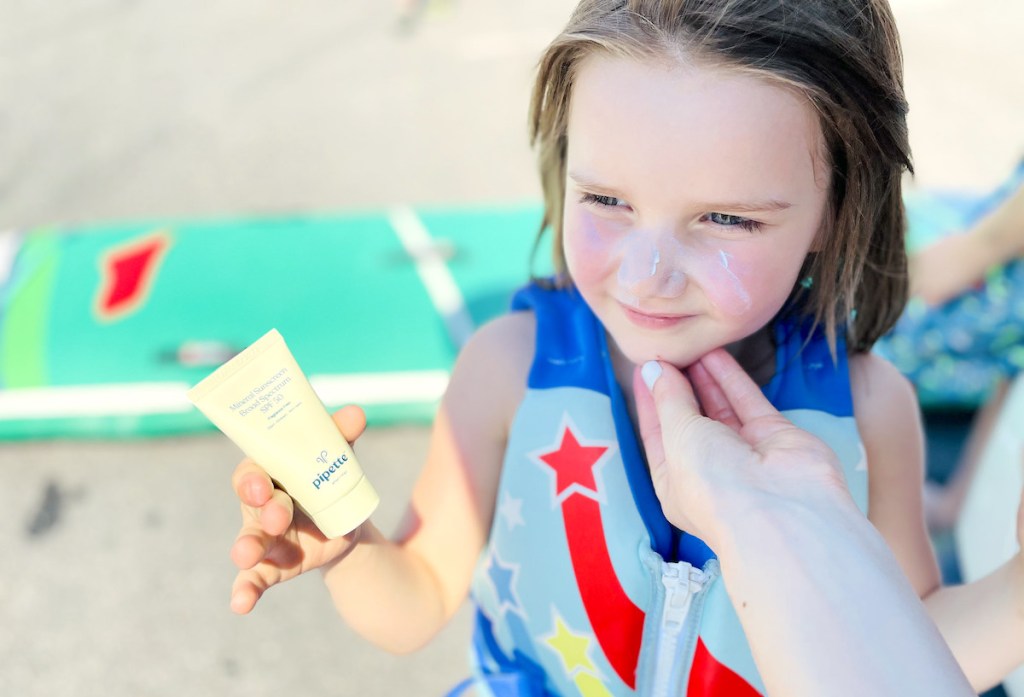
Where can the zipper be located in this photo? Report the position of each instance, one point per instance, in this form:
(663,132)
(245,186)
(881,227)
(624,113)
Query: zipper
(681,582)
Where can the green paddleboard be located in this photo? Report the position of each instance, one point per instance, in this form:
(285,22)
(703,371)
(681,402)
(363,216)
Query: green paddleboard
(103,328)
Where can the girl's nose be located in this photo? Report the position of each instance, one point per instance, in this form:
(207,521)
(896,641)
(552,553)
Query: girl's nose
(649,267)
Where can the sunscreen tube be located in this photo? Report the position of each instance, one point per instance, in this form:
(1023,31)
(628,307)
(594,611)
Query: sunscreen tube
(263,402)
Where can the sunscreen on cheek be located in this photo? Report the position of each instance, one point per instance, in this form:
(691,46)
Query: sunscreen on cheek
(589,246)
(723,286)
(263,402)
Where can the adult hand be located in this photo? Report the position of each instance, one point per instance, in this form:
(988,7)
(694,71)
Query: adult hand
(743,453)
(769,498)
(947,268)
(277,542)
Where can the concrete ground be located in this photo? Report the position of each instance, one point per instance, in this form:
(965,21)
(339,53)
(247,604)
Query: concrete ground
(114,575)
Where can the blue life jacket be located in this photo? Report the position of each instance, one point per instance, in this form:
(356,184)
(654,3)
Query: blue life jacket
(584,587)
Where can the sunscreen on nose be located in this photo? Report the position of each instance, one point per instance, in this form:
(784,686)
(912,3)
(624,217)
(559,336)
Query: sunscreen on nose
(263,402)
(650,266)
(639,260)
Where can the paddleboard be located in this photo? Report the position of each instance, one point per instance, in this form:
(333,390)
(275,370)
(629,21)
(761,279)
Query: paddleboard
(103,328)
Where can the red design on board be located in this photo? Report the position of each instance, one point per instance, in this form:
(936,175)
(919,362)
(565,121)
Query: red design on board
(617,621)
(127,273)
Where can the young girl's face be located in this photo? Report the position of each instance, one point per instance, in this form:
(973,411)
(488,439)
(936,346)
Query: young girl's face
(693,195)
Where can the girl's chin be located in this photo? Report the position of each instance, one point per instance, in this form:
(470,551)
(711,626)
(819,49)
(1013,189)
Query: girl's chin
(640,355)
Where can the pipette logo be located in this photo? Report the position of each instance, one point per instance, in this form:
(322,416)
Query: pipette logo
(332,468)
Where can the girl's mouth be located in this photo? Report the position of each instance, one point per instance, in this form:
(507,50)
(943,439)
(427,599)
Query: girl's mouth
(653,320)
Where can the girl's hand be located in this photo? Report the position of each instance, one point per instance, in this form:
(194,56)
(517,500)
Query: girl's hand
(710,470)
(277,542)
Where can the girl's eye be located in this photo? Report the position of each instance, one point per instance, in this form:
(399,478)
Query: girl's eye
(726,220)
(606,201)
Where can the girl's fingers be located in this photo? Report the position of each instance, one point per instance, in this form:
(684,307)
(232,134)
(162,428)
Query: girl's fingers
(261,527)
(276,515)
(261,500)
(248,550)
(248,588)
(252,484)
(351,421)
(267,514)
(251,544)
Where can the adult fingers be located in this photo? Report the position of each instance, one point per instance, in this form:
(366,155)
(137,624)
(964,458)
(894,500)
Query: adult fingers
(712,399)
(351,421)
(737,388)
(647,415)
(664,400)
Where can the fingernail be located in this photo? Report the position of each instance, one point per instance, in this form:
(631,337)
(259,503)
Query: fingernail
(650,372)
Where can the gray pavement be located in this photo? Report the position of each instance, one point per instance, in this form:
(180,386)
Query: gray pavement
(114,574)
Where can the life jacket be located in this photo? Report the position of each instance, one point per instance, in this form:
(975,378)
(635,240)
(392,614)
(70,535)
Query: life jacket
(584,588)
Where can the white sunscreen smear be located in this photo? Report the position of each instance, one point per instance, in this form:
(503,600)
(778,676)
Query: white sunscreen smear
(642,266)
(263,402)
(737,285)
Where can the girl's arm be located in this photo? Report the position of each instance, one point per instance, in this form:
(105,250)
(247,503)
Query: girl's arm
(983,622)
(889,422)
(398,593)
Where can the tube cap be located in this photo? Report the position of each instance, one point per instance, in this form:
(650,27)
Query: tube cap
(347,513)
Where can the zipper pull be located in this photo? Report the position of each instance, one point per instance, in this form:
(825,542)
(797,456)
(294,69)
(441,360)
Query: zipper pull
(681,582)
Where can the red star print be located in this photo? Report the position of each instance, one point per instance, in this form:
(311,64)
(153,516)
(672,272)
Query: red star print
(573,463)
(616,620)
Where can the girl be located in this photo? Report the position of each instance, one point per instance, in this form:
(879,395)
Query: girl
(716,173)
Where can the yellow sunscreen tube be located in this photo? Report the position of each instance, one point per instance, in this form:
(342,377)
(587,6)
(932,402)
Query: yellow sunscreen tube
(263,402)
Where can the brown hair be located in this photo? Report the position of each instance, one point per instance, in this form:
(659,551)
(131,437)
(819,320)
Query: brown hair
(843,56)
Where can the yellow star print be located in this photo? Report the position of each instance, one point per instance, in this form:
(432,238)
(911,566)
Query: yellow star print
(571,648)
(591,686)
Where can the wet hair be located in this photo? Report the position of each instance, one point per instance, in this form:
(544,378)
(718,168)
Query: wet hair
(843,56)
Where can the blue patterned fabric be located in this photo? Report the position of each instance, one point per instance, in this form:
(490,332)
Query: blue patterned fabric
(579,587)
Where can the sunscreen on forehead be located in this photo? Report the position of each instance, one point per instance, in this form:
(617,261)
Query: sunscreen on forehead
(262,401)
